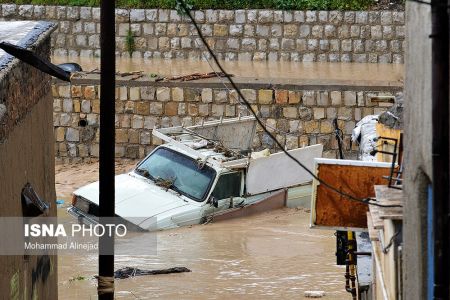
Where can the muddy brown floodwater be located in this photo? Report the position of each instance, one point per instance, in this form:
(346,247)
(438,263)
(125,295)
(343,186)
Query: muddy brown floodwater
(262,70)
(271,255)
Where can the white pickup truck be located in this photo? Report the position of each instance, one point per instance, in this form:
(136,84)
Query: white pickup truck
(201,171)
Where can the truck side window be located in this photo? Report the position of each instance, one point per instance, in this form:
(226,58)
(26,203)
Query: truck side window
(228,185)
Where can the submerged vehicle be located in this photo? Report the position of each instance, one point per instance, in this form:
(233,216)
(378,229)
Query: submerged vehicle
(200,173)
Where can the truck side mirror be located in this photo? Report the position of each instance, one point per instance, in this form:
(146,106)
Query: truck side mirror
(214,202)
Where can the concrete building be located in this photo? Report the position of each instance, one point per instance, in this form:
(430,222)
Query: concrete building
(26,154)
(418,149)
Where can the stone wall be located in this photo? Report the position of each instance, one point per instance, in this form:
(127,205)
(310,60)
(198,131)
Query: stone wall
(335,36)
(298,114)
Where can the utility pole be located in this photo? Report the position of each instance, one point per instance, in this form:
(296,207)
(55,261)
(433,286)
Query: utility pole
(440,149)
(107,142)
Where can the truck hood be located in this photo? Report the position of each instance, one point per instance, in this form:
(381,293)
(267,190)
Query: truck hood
(136,197)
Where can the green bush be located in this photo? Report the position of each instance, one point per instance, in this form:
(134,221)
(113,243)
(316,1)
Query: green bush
(217,4)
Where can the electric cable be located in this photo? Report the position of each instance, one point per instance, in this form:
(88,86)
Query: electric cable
(250,108)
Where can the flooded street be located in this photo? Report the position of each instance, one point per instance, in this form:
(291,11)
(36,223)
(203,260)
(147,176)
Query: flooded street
(271,255)
(261,70)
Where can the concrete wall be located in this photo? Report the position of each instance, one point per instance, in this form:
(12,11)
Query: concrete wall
(347,36)
(418,152)
(299,114)
(26,156)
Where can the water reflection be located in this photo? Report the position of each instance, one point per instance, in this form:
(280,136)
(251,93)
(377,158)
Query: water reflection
(288,70)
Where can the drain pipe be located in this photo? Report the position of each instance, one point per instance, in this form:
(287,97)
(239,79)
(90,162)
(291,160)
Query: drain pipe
(105,287)
(440,146)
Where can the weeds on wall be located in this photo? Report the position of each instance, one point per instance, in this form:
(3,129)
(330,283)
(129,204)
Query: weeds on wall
(129,42)
(220,4)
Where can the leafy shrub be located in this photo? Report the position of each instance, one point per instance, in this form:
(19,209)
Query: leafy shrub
(217,4)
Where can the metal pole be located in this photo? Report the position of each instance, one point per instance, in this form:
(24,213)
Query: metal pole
(107,142)
(440,145)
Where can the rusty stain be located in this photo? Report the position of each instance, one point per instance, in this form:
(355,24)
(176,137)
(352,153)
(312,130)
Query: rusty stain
(335,210)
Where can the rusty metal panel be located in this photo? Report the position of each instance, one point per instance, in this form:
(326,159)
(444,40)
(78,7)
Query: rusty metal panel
(332,210)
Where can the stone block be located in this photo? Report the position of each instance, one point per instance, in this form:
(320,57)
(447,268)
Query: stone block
(323,98)
(326,126)
(311,126)
(319,113)
(345,113)
(90,92)
(86,106)
(206,96)
(220,96)
(305,113)
(349,98)
(142,108)
(239,16)
(150,122)
(336,98)
(129,107)
(135,93)
(60,133)
(281,96)
(230,111)
(217,110)
(121,136)
(67,105)
(203,110)
(192,95)
(147,93)
(193,110)
(311,16)
(137,122)
(290,112)
(291,142)
(309,98)
(64,91)
(156,108)
(72,135)
(265,96)
(146,138)
(262,30)
(95,106)
(133,136)
(220,30)
(290,30)
(171,109)
(163,94)
(294,97)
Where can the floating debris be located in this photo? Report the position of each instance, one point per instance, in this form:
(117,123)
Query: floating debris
(128,272)
(77,278)
(314,294)
(194,76)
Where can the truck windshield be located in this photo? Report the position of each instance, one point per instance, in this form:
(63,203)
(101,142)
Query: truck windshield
(176,171)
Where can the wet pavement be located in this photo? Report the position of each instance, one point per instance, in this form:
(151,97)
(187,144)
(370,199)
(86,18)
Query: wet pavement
(268,256)
(262,70)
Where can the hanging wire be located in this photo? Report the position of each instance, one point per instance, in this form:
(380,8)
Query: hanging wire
(260,122)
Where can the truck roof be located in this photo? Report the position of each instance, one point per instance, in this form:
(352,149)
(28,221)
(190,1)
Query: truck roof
(225,143)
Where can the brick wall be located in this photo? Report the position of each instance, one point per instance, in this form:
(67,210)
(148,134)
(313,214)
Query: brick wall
(299,115)
(346,36)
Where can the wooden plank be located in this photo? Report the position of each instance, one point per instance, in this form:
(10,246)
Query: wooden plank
(389,196)
(373,233)
(375,214)
(387,145)
(356,178)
